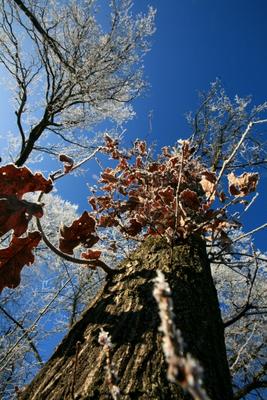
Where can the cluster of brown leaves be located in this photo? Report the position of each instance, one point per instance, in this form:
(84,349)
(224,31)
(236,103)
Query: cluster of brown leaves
(15,214)
(172,196)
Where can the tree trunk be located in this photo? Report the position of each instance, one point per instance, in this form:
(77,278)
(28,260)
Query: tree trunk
(127,310)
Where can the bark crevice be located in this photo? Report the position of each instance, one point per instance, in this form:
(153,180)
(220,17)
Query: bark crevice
(125,308)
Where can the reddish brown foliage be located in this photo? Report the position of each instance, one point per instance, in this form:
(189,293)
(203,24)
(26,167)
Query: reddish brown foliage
(91,254)
(14,257)
(81,231)
(15,213)
(142,195)
(18,181)
(171,196)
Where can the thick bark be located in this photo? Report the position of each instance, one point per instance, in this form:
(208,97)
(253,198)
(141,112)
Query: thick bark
(127,310)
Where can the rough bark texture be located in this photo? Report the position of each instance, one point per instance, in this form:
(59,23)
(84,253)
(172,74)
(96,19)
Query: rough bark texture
(127,310)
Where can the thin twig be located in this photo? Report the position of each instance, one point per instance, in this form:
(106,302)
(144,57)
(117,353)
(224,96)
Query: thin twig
(27,336)
(30,329)
(242,347)
(250,232)
(91,264)
(55,177)
(232,155)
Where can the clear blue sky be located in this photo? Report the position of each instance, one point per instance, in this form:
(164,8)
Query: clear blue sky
(195,42)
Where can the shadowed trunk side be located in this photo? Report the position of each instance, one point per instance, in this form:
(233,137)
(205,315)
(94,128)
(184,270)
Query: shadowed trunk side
(127,310)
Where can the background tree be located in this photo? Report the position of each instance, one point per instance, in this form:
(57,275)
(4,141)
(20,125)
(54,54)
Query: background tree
(98,72)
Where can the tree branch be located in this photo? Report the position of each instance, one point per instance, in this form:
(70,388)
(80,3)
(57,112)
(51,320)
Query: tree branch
(27,336)
(91,264)
(53,44)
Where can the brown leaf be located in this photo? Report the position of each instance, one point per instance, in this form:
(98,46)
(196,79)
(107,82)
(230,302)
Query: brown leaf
(91,254)
(14,257)
(208,181)
(68,162)
(242,185)
(133,228)
(140,146)
(186,149)
(107,221)
(138,162)
(15,214)
(92,201)
(81,231)
(122,165)
(111,143)
(190,199)
(108,176)
(167,194)
(18,181)
(166,151)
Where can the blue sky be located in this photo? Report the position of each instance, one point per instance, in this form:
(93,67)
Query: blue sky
(197,41)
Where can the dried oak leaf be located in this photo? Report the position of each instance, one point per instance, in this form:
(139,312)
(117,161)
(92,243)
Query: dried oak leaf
(208,181)
(123,164)
(107,221)
(186,149)
(111,143)
(190,199)
(68,162)
(140,146)
(167,194)
(91,254)
(166,151)
(15,214)
(108,176)
(133,228)
(20,180)
(242,185)
(14,257)
(81,231)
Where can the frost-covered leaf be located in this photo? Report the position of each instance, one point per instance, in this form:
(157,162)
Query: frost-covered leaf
(68,162)
(242,185)
(207,182)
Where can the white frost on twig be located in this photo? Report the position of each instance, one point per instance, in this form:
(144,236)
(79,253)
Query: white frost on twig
(182,369)
(111,377)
